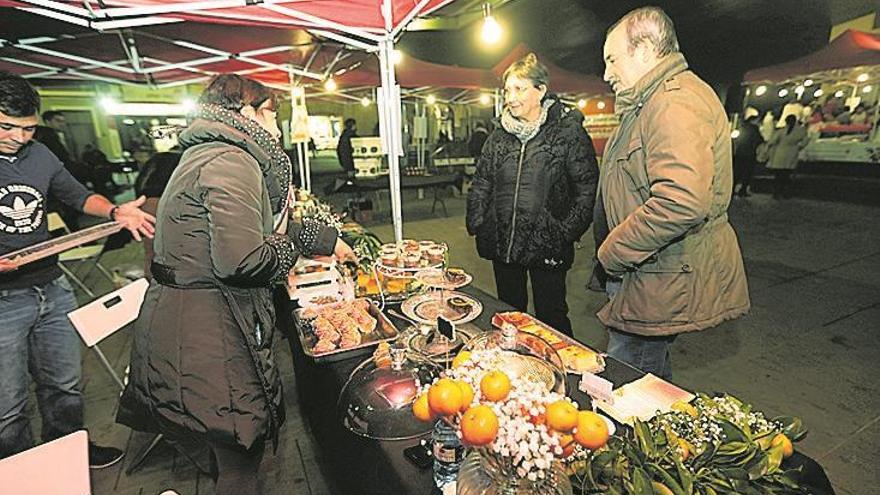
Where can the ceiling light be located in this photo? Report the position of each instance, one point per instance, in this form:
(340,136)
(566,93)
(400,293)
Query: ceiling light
(783,93)
(600,105)
(734,134)
(108,103)
(838,93)
(330,85)
(818,93)
(808,83)
(867,89)
(862,77)
(365,101)
(582,103)
(760,90)
(491,31)
(485,99)
(431,99)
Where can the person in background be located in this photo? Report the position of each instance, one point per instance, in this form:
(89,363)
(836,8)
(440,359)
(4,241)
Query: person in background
(151,183)
(744,148)
(533,193)
(203,368)
(101,171)
(51,135)
(785,145)
(36,337)
(859,115)
(768,125)
(665,187)
(344,150)
(477,140)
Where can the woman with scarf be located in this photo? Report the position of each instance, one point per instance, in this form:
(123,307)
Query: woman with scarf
(202,367)
(533,192)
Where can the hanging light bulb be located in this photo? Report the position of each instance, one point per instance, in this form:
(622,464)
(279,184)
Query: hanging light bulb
(582,103)
(330,85)
(431,99)
(365,101)
(862,77)
(485,99)
(760,90)
(600,105)
(491,31)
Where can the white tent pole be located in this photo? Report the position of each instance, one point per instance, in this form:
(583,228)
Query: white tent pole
(389,129)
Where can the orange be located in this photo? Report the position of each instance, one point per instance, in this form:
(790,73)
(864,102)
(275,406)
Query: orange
(787,447)
(684,449)
(591,432)
(467,394)
(495,386)
(661,489)
(562,416)
(568,444)
(461,358)
(421,409)
(479,426)
(444,397)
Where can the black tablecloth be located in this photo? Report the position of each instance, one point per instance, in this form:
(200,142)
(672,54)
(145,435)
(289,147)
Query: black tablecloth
(358,466)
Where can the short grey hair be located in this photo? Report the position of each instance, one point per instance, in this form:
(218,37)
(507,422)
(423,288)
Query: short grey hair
(649,24)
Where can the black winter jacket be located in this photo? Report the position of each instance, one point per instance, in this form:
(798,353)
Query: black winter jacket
(530,202)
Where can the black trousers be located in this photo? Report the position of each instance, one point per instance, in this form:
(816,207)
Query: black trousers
(782,184)
(548,292)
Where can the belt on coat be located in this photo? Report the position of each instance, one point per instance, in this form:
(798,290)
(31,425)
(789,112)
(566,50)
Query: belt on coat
(166,275)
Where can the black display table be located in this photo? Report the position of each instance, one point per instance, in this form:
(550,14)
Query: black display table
(355,465)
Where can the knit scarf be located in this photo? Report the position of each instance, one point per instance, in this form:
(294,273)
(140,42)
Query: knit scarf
(277,171)
(524,131)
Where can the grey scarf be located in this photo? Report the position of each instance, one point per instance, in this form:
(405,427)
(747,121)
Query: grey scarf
(524,131)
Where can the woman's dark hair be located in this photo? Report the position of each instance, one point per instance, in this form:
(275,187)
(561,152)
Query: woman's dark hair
(790,121)
(349,123)
(17,97)
(234,92)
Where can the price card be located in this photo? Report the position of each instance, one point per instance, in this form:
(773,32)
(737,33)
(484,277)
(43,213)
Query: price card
(446,328)
(597,387)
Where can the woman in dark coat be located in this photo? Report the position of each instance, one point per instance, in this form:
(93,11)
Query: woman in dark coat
(202,364)
(533,193)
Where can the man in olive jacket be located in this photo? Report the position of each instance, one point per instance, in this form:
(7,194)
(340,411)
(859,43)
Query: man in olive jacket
(665,186)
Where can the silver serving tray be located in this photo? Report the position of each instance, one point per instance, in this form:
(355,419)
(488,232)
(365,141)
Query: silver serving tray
(385,331)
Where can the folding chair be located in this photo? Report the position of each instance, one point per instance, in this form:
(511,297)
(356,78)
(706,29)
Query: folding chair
(100,319)
(59,467)
(78,255)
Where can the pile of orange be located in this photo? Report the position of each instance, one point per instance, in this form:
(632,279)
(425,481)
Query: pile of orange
(479,423)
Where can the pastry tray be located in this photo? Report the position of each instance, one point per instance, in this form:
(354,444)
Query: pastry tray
(385,331)
(529,324)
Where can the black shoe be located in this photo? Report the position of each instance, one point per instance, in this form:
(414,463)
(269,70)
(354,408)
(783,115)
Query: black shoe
(101,457)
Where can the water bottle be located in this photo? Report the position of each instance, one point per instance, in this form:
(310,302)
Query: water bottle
(448,454)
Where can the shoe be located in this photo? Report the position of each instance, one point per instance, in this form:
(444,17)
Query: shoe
(101,457)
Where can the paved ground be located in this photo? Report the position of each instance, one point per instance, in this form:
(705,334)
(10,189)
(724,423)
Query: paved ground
(809,347)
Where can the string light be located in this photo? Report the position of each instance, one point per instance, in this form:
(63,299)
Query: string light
(491,31)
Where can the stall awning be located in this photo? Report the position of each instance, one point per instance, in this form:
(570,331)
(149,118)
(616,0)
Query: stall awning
(850,49)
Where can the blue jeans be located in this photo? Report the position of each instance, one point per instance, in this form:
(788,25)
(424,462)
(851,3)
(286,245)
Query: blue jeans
(649,354)
(37,338)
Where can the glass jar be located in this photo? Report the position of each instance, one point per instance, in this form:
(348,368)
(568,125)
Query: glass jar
(483,474)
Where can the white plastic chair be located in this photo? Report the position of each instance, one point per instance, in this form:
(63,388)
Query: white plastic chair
(59,467)
(78,255)
(100,319)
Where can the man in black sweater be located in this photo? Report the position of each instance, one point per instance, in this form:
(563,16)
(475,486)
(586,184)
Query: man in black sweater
(37,338)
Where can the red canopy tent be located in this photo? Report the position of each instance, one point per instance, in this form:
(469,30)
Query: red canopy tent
(850,49)
(370,25)
(561,80)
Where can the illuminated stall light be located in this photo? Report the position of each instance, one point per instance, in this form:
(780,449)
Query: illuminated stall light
(862,77)
(760,90)
(330,85)
(808,83)
(818,93)
(365,101)
(867,89)
(431,99)
(783,93)
(600,105)
(485,99)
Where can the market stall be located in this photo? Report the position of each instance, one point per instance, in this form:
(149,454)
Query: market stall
(355,464)
(838,78)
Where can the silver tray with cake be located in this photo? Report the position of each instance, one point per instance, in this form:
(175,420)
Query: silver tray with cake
(342,330)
